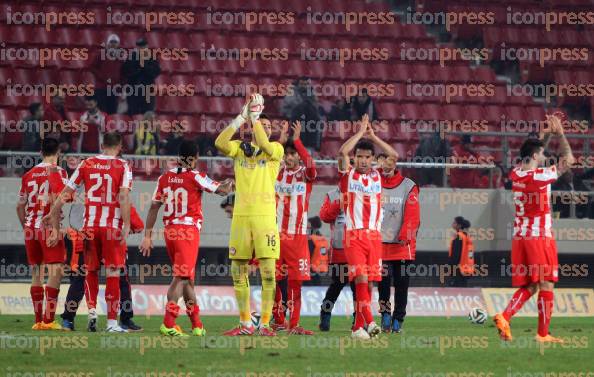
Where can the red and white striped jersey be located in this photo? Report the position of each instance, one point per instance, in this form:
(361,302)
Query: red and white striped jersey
(293,188)
(102,177)
(531,192)
(182,195)
(361,199)
(37,185)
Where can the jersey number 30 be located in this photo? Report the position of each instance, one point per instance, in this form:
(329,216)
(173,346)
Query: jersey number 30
(177,202)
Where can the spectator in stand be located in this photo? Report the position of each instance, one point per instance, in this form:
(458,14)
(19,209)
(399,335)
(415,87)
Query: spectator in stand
(363,104)
(302,105)
(432,148)
(32,136)
(55,115)
(95,122)
(170,146)
(499,179)
(562,202)
(340,111)
(146,136)
(106,68)
(464,153)
(139,74)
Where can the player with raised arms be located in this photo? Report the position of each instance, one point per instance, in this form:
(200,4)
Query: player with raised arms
(253,227)
(534,250)
(180,189)
(40,186)
(293,189)
(107,180)
(361,191)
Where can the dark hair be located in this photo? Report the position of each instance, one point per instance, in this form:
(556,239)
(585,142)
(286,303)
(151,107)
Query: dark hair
(365,145)
(49,146)
(529,147)
(112,139)
(315,222)
(187,152)
(380,155)
(34,107)
(289,145)
(462,222)
(90,98)
(264,116)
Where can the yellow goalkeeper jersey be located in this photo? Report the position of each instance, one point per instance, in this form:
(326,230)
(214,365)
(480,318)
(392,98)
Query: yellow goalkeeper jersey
(255,178)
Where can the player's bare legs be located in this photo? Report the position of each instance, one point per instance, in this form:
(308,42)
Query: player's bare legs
(55,272)
(192,308)
(37,294)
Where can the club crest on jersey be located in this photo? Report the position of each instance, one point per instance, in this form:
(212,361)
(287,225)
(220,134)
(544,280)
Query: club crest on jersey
(232,251)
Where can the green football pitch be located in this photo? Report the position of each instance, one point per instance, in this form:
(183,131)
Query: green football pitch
(428,347)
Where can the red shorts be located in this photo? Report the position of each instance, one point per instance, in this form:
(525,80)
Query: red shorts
(363,251)
(37,250)
(293,262)
(533,261)
(182,242)
(104,244)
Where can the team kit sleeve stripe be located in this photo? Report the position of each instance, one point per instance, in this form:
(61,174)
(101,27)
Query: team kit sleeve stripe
(206,183)
(546,175)
(127,178)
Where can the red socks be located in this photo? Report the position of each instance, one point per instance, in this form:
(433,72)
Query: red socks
(51,301)
(545,310)
(278,310)
(37,301)
(294,301)
(363,306)
(171,313)
(112,296)
(515,304)
(194,314)
(92,289)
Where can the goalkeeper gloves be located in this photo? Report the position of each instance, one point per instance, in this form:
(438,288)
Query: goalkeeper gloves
(256,106)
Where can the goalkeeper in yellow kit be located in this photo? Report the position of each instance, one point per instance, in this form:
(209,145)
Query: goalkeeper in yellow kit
(253,227)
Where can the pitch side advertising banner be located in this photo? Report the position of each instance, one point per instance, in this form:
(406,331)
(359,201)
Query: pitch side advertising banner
(150,300)
(569,302)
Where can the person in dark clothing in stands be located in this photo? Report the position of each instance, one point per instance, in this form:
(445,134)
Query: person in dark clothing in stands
(562,201)
(140,72)
(31,123)
(54,114)
(461,254)
(363,104)
(106,68)
(340,111)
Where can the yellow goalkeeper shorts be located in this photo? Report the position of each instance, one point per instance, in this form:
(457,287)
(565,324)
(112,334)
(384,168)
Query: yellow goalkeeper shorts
(254,236)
